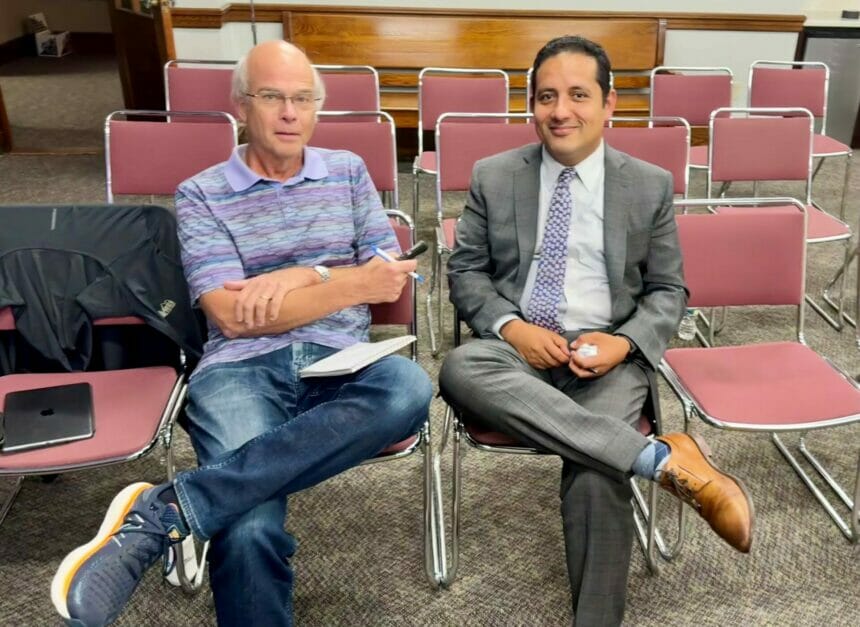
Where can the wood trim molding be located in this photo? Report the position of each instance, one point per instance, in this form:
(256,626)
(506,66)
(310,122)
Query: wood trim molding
(234,12)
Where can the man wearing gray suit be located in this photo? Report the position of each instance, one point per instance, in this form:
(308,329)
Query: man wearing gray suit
(568,268)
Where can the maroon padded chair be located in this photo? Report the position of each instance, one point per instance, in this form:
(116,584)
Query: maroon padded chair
(805,84)
(198,85)
(774,387)
(453,90)
(133,410)
(156,150)
(462,429)
(691,93)
(799,84)
(774,144)
(663,141)
(461,140)
(349,88)
(372,136)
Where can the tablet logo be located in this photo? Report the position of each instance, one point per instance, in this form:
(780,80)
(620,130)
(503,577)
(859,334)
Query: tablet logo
(166,307)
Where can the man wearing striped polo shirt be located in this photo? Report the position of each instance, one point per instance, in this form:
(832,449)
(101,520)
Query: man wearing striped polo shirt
(276,247)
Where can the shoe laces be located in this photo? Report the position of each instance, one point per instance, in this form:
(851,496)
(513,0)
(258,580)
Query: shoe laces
(683,490)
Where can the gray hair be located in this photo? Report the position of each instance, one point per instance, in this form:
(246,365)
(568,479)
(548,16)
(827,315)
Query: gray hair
(239,83)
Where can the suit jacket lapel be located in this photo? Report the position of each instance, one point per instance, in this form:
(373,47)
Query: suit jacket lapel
(526,182)
(616,205)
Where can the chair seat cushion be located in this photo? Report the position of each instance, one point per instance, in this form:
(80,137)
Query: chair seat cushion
(779,385)
(127,410)
(400,447)
(822,146)
(426,162)
(698,156)
(820,225)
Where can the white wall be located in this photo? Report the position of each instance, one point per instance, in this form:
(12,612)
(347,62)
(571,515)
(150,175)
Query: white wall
(733,49)
(81,16)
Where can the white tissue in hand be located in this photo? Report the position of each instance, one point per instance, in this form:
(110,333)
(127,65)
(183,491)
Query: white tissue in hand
(587,350)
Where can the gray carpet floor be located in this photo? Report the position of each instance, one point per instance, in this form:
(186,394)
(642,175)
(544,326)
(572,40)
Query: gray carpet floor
(359,559)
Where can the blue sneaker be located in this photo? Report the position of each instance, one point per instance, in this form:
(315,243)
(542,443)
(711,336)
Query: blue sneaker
(96,580)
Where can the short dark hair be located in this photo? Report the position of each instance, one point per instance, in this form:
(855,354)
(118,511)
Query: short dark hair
(580,45)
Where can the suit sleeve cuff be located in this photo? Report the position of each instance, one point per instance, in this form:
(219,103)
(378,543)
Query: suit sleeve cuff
(634,350)
(498,324)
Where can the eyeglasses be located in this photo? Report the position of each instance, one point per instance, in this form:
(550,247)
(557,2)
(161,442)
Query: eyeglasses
(275,99)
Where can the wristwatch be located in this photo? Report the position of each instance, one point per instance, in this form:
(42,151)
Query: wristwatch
(325,275)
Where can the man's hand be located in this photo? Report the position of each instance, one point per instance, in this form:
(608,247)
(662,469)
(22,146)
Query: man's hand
(611,351)
(382,281)
(540,347)
(260,298)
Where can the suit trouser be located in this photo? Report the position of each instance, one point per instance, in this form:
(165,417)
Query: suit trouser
(590,424)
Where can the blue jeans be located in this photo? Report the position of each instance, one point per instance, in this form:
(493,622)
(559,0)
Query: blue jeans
(262,433)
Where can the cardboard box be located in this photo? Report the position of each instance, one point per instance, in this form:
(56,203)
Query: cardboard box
(52,43)
(48,43)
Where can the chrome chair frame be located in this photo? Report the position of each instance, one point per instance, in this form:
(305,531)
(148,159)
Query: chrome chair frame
(155,114)
(417,169)
(850,528)
(821,156)
(390,198)
(837,322)
(441,248)
(686,69)
(202,62)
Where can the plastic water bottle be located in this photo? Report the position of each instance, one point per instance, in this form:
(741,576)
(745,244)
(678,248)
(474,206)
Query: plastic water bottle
(687,326)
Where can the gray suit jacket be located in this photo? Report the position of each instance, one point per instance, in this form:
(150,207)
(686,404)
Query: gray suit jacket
(496,243)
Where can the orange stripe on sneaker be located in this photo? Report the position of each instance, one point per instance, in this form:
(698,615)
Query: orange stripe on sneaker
(68,582)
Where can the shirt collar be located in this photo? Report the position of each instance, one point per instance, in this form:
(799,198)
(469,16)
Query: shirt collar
(241,177)
(588,170)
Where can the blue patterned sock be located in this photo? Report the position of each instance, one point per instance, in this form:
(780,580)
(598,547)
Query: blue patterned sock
(651,460)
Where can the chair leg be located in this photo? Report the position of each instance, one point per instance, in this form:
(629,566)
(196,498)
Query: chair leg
(434,277)
(415,191)
(435,565)
(7,504)
(440,301)
(645,518)
(838,322)
(189,571)
(456,442)
(851,528)
(841,275)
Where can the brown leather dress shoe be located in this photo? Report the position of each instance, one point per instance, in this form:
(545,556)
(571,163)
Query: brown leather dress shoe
(719,498)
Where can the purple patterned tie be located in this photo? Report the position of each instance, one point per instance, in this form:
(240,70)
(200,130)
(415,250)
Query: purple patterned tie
(549,280)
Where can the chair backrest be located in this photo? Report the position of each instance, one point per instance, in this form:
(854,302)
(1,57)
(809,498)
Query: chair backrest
(369,134)
(152,156)
(690,92)
(464,138)
(403,311)
(752,257)
(798,84)
(663,141)
(198,85)
(350,88)
(460,90)
(759,144)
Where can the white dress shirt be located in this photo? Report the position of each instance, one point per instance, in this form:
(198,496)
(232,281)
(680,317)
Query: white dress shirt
(586,303)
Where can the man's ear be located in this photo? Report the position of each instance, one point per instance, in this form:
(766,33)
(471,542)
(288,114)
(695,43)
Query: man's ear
(609,104)
(239,108)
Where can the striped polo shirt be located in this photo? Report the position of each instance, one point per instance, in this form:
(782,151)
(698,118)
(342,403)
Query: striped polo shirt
(235,224)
